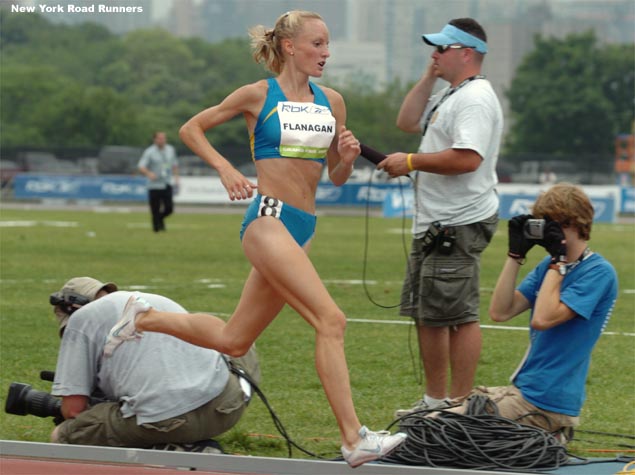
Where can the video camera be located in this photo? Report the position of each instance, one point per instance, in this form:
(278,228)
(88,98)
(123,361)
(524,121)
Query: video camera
(22,399)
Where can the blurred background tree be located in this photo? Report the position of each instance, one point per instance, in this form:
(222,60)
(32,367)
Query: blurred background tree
(572,96)
(79,85)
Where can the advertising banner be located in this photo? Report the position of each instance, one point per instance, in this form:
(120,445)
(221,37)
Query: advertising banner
(517,199)
(72,187)
(628,200)
(393,196)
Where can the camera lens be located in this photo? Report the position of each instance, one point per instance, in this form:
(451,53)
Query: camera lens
(15,399)
(534,229)
(23,400)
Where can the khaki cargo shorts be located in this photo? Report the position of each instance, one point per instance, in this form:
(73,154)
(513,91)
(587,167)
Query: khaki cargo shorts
(442,290)
(512,405)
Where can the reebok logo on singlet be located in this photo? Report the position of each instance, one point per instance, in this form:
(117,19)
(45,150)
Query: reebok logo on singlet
(306,130)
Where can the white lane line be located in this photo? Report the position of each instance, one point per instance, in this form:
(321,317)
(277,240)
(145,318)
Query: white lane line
(489,327)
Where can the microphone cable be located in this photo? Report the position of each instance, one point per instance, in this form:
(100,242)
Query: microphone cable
(367,242)
(376,157)
(241,373)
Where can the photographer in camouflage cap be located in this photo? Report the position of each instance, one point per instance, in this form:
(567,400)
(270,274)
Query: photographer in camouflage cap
(159,390)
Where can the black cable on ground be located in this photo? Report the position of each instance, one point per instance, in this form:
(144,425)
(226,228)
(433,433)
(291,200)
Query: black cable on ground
(599,443)
(276,420)
(609,434)
(480,441)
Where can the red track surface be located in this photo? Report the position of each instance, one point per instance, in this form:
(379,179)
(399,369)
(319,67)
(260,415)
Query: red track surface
(22,466)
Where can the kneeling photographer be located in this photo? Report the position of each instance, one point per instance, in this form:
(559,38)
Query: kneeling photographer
(159,389)
(570,293)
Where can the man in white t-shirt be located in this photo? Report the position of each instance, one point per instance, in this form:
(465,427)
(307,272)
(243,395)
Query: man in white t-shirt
(456,206)
(159,389)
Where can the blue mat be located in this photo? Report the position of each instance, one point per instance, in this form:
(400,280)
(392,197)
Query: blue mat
(594,466)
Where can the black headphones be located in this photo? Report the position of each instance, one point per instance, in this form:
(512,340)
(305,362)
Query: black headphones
(68,300)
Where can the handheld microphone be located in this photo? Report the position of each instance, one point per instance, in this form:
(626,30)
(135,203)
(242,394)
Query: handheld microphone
(371,154)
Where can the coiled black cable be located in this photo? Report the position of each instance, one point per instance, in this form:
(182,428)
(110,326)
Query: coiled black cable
(476,440)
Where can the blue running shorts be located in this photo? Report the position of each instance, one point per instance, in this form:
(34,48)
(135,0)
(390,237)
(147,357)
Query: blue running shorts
(299,223)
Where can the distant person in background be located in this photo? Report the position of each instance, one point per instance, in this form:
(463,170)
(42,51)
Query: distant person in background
(159,165)
(547,177)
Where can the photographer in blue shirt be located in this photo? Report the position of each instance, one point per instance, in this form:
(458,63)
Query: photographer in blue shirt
(571,294)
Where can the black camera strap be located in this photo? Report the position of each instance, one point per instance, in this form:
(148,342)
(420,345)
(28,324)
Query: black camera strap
(572,265)
(448,93)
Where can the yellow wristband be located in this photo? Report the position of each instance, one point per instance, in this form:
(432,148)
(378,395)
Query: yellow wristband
(409,162)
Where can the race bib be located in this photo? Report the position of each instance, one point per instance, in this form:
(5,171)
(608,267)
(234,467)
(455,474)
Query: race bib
(306,129)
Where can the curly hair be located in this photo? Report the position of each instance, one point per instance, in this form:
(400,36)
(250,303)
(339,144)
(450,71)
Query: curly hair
(266,42)
(568,205)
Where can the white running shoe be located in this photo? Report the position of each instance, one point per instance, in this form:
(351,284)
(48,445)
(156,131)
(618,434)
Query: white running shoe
(372,446)
(124,329)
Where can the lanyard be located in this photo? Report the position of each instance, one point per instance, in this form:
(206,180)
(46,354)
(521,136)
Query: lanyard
(449,92)
(586,253)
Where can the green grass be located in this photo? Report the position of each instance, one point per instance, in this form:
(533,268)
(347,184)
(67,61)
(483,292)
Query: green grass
(200,264)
